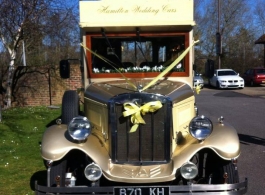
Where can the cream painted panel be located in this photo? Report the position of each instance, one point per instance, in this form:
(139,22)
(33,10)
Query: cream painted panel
(183,112)
(136,13)
(98,115)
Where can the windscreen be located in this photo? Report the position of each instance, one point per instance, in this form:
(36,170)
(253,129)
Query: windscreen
(136,54)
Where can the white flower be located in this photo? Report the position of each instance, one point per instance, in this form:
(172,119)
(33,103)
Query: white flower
(154,68)
(96,70)
(179,65)
(147,68)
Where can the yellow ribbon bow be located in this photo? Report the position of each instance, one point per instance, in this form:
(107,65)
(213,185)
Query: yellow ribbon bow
(137,112)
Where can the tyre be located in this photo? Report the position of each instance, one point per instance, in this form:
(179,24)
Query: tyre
(217,85)
(74,162)
(220,171)
(70,106)
(57,173)
(252,83)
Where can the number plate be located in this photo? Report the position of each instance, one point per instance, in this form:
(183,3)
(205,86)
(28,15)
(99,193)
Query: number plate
(141,191)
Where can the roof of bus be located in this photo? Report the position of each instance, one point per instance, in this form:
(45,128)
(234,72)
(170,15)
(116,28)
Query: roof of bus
(141,13)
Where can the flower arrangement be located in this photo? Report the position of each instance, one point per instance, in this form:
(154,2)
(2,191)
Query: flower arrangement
(136,69)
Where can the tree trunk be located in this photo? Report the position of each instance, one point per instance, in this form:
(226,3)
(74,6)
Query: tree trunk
(8,95)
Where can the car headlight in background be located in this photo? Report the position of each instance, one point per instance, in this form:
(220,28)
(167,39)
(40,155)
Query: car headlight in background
(93,172)
(79,128)
(189,170)
(200,127)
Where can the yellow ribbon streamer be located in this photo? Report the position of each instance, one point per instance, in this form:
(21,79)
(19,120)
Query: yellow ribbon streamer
(172,65)
(110,63)
(137,112)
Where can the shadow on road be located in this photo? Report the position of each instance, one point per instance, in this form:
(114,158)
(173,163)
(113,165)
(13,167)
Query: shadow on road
(230,94)
(255,91)
(249,139)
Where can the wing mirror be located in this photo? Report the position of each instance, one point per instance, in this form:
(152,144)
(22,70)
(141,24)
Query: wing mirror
(64,69)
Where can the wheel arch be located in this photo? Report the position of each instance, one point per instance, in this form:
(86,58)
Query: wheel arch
(56,144)
(223,141)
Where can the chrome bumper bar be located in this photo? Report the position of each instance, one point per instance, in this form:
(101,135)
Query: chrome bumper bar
(198,189)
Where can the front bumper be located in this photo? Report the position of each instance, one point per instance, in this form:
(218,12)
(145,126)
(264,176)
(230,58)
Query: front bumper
(231,86)
(198,83)
(259,81)
(220,189)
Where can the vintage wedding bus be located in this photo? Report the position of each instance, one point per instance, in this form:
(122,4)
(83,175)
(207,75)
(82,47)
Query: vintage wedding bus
(139,131)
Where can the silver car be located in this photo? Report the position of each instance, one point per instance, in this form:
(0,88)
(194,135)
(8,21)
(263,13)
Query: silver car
(198,80)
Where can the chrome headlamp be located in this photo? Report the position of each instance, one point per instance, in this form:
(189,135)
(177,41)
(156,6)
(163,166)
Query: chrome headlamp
(189,170)
(79,128)
(200,127)
(93,172)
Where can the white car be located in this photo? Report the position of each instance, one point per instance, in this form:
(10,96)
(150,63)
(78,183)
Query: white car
(226,78)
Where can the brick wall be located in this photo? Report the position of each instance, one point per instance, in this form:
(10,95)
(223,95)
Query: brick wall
(33,89)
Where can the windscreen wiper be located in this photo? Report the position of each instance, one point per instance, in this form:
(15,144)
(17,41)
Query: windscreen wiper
(108,42)
(140,45)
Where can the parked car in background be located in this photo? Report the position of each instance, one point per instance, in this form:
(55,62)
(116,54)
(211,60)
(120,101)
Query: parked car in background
(226,78)
(254,76)
(198,80)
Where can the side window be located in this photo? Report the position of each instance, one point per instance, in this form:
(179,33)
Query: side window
(247,72)
(260,71)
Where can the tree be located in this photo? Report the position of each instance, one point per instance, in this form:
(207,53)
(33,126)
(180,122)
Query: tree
(35,23)
(259,15)
(236,28)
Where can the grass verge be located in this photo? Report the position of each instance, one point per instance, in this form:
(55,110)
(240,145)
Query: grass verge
(21,132)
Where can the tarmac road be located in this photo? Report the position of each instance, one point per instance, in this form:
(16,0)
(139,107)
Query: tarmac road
(256,91)
(244,109)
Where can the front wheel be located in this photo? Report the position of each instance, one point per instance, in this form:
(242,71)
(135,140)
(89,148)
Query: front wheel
(74,162)
(220,171)
(57,173)
(218,85)
(252,83)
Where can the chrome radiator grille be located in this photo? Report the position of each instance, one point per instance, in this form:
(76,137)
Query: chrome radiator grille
(150,144)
